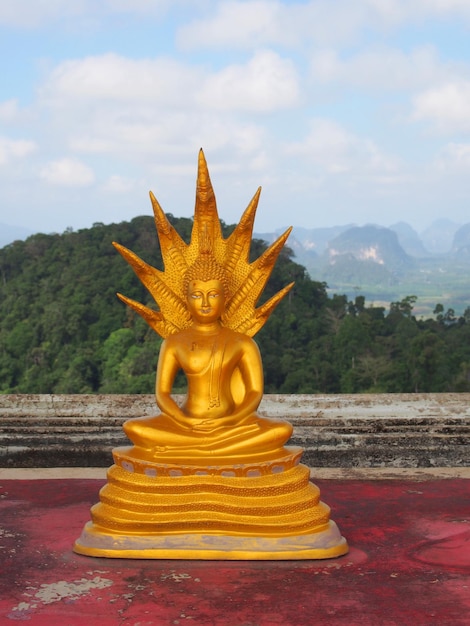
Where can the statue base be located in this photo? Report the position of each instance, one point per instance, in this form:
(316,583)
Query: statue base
(263,510)
(325,544)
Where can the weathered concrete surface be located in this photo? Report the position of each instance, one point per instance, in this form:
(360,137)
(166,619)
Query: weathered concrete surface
(386,430)
(416,474)
(409,564)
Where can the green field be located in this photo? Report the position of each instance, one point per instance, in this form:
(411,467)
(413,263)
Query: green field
(433,282)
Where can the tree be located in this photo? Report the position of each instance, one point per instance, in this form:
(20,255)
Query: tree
(62,329)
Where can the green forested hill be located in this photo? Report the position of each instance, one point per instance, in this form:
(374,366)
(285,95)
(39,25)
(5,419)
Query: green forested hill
(62,329)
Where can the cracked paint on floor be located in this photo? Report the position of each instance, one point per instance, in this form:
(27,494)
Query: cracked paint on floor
(409,564)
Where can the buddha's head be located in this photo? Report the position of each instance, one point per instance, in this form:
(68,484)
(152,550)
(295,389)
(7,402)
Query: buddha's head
(205,300)
(206,290)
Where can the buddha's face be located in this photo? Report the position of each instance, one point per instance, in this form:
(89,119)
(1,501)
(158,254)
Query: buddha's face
(206,300)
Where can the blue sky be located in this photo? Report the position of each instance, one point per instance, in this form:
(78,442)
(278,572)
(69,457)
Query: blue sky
(344,111)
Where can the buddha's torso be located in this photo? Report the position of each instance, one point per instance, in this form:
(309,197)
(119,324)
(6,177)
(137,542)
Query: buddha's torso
(209,361)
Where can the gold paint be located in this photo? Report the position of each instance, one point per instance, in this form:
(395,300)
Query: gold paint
(211,470)
(245,280)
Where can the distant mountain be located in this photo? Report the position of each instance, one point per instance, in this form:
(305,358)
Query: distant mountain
(388,264)
(373,244)
(308,244)
(409,240)
(317,239)
(361,255)
(438,237)
(461,245)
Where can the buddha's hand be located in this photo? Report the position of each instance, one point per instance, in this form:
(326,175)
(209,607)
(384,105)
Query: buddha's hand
(204,425)
(182,421)
(209,425)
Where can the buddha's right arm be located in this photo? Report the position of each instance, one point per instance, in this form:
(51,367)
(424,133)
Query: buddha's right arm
(167,369)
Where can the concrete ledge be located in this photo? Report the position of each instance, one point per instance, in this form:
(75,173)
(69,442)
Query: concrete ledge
(323,473)
(345,431)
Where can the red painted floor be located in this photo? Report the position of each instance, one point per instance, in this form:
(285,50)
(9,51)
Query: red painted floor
(409,565)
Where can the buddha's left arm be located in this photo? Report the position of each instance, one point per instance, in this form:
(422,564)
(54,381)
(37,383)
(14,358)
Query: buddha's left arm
(251,369)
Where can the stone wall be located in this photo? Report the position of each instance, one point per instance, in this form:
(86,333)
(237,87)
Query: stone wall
(386,430)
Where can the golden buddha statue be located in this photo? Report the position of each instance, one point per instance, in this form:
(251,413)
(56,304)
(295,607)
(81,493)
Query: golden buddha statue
(210,423)
(210,478)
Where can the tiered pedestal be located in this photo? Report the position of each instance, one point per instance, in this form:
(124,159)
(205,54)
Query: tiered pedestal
(266,509)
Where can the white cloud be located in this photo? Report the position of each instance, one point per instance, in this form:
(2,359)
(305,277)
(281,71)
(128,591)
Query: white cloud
(239,23)
(15,149)
(380,68)
(335,150)
(266,83)
(247,24)
(67,172)
(115,78)
(36,13)
(447,106)
(143,119)
(139,7)
(143,136)
(261,23)
(119,184)
(9,110)
(265,22)
(91,144)
(27,14)
(443,7)
(387,13)
(121,107)
(455,157)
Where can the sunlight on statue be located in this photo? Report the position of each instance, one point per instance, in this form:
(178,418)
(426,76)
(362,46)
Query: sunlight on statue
(207,298)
